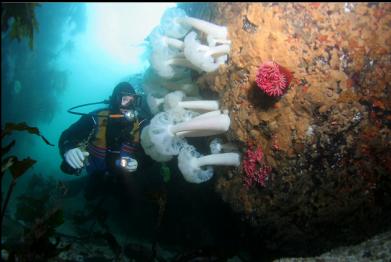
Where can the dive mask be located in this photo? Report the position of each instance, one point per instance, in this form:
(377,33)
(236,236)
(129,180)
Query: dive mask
(129,100)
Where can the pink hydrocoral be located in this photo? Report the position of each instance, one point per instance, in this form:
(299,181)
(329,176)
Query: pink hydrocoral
(273,79)
(255,168)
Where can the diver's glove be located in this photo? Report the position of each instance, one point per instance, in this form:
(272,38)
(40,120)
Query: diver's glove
(128,163)
(75,157)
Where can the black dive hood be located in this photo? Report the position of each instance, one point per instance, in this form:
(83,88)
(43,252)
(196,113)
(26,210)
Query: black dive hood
(122,89)
(129,113)
(114,102)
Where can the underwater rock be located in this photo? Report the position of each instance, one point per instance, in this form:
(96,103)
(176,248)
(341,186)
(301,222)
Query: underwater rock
(327,138)
(375,249)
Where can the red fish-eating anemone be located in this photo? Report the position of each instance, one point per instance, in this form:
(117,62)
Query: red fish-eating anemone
(273,79)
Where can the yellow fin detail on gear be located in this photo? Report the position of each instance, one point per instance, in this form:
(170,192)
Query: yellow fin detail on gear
(100,137)
(136,131)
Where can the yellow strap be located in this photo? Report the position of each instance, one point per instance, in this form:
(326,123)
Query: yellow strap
(136,131)
(100,137)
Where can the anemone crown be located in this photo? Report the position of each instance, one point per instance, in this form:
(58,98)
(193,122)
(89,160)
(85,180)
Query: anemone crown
(273,79)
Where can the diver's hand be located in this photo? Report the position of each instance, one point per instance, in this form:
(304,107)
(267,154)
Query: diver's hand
(75,157)
(129,164)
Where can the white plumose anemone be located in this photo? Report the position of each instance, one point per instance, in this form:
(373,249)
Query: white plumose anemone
(197,169)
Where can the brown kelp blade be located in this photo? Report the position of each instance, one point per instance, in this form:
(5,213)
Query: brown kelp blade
(19,167)
(7,148)
(10,127)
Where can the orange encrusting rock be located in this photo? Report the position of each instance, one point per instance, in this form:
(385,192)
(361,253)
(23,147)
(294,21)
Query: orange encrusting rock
(327,137)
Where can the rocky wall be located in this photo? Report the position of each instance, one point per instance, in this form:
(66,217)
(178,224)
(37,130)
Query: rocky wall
(327,139)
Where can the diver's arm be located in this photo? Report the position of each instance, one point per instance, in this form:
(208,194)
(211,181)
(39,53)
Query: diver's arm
(75,134)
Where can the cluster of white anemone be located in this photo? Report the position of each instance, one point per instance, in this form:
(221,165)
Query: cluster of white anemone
(172,95)
(174,44)
(165,136)
(176,51)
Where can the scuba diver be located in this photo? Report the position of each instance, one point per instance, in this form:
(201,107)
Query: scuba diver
(106,141)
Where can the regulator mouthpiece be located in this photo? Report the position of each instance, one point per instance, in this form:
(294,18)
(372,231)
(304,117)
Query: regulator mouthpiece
(130,114)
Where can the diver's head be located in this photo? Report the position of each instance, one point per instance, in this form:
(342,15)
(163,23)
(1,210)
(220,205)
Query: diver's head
(123,98)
